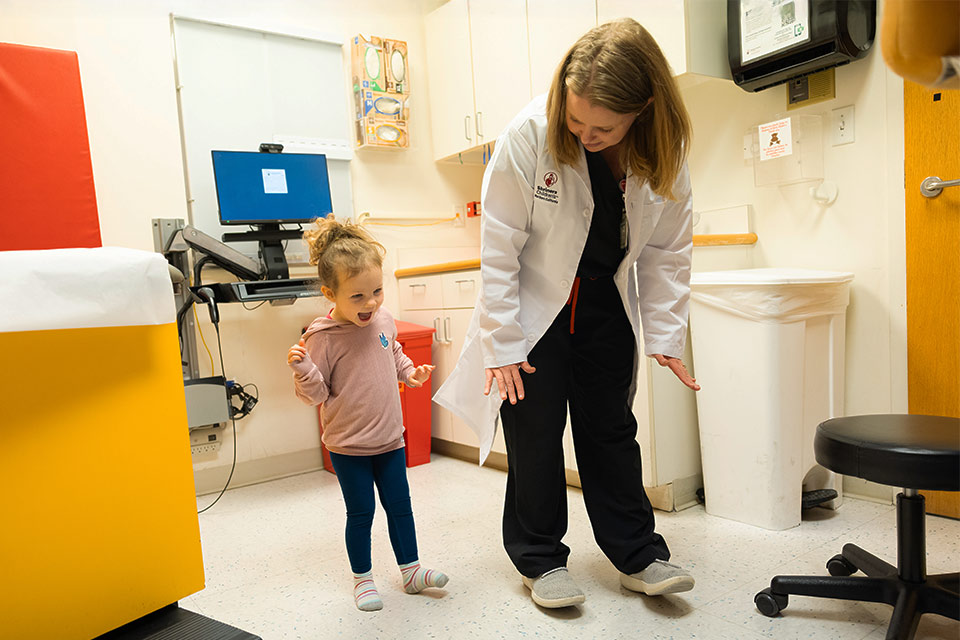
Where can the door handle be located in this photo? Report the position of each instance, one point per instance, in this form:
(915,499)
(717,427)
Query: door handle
(479,124)
(932,186)
(466,128)
(446,331)
(436,329)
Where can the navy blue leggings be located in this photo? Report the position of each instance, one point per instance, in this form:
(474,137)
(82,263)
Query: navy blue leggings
(357,475)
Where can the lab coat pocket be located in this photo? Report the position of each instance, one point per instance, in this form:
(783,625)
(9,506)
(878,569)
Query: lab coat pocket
(649,216)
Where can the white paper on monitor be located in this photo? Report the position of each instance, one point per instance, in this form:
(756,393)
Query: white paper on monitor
(274,181)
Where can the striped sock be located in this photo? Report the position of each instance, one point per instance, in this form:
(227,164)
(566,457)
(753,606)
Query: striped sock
(416,578)
(365,592)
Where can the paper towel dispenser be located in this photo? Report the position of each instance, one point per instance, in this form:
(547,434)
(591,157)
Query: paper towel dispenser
(771,41)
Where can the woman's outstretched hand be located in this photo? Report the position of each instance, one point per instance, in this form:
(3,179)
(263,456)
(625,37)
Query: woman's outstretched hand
(508,380)
(676,365)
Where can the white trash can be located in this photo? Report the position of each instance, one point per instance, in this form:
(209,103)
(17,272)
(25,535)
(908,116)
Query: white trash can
(768,350)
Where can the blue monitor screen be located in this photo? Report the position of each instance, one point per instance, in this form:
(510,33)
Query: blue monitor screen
(262,188)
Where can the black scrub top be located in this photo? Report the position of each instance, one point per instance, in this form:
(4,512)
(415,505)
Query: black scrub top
(603,252)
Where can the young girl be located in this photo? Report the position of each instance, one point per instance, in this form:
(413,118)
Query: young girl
(351,361)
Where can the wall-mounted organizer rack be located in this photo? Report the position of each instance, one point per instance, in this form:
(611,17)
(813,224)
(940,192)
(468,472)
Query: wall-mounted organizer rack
(381,90)
(786,151)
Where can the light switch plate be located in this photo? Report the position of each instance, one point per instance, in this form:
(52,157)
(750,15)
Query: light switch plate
(842,128)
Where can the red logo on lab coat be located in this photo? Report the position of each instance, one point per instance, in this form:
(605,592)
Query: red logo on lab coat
(550,179)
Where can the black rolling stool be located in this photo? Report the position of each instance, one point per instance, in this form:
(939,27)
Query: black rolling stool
(916,452)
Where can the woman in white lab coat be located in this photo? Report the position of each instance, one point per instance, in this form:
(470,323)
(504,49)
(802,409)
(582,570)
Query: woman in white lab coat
(586,231)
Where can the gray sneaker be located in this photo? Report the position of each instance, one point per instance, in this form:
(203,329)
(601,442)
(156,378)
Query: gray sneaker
(658,578)
(554,589)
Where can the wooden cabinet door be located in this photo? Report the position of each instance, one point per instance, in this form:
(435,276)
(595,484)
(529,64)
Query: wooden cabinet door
(451,79)
(552,32)
(501,64)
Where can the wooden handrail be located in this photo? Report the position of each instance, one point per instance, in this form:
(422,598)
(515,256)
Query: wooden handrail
(442,267)
(723,239)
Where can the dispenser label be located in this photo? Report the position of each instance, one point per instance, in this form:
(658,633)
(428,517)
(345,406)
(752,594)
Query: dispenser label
(768,26)
(776,140)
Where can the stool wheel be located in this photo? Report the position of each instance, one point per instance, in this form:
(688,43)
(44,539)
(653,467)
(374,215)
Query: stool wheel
(770,603)
(840,566)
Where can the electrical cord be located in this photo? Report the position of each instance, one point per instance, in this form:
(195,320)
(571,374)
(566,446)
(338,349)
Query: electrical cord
(202,339)
(233,421)
(198,267)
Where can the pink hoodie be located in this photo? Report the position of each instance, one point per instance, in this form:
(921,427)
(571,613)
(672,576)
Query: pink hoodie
(354,372)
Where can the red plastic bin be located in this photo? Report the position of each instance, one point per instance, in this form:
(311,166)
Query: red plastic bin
(417,343)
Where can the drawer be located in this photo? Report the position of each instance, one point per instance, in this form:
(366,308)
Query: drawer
(460,289)
(420,292)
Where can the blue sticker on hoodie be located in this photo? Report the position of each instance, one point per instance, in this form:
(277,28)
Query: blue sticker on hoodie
(383,341)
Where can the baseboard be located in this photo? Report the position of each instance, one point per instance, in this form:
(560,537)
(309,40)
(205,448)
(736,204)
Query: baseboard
(866,490)
(675,496)
(212,479)
(685,491)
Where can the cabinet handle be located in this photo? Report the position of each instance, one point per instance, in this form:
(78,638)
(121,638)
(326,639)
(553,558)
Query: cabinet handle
(462,281)
(466,128)
(446,331)
(479,124)
(436,329)
(412,286)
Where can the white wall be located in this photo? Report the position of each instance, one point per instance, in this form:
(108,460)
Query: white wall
(862,232)
(126,68)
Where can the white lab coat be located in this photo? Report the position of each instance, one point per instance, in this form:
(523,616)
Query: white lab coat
(535,221)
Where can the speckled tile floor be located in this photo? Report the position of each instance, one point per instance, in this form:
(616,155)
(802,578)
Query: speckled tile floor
(276,566)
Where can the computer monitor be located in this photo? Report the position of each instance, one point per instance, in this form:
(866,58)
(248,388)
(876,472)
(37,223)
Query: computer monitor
(271,188)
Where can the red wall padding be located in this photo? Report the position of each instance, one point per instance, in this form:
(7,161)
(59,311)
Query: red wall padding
(47,199)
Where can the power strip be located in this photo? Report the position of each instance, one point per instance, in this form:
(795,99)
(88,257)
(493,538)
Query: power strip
(198,449)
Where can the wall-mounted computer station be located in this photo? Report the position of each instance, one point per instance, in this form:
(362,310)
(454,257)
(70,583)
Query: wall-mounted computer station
(267,196)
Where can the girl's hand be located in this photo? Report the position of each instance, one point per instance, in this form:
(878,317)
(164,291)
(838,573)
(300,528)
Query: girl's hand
(676,365)
(508,380)
(298,358)
(420,375)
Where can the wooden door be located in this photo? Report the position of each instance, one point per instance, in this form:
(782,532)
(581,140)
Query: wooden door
(932,148)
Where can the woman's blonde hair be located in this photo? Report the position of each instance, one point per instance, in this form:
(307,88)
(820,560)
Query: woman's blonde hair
(619,66)
(341,250)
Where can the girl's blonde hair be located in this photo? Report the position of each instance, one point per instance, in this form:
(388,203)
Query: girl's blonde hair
(341,250)
(619,66)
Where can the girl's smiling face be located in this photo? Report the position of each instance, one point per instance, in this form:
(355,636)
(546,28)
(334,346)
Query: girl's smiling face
(358,298)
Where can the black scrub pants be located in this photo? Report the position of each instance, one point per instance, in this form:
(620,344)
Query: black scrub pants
(586,359)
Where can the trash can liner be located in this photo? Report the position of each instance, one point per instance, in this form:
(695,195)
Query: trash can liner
(773,295)
(779,303)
